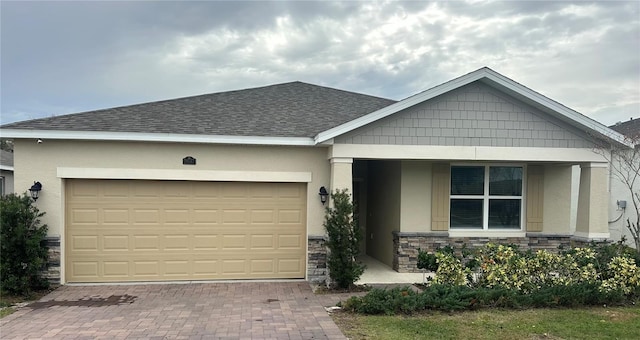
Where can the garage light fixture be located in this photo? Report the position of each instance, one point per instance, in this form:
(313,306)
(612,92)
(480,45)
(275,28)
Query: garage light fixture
(323,195)
(35,190)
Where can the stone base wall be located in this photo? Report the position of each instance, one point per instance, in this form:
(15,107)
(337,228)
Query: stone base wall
(317,271)
(406,245)
(52,273)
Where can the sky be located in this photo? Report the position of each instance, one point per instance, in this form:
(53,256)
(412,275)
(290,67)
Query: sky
(66,57)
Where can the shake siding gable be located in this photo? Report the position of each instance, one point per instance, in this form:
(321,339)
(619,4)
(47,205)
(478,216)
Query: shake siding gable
(473,115)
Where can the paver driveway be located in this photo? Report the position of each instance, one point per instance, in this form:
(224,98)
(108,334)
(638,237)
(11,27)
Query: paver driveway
(239,310)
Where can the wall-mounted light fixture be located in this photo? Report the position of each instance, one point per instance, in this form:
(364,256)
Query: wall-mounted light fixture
(35,190)
(323,195)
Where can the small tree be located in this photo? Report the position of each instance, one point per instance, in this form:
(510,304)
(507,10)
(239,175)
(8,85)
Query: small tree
(23,254)
(344,239)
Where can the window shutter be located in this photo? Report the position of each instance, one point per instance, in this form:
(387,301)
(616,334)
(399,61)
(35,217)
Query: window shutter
(440,197)
(535,197)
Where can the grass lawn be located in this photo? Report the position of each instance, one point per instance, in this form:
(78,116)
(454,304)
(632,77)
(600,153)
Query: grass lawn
(584,323)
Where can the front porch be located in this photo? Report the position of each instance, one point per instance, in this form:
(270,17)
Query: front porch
(405,205)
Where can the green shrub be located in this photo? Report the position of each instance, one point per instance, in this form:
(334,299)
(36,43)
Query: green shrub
(451,271)
(23,253)
(455,298)
(344,241)
(427,261)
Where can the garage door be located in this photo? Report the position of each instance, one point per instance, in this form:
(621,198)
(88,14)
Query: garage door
(134,230)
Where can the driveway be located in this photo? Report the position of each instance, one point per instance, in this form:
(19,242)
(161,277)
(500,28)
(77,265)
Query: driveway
(239,310)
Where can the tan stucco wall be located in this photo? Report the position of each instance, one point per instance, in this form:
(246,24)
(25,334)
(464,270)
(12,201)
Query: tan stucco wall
(593,201)
(415,196)
(383,205)
(557,199)
(40,162)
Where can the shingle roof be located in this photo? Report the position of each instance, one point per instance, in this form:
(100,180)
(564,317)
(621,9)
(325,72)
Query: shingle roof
(293,109)
(630,128)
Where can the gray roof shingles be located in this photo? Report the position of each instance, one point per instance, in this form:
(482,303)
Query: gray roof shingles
(630,128)
(294,109)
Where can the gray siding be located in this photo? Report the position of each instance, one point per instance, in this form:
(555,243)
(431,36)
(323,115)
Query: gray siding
(473,115)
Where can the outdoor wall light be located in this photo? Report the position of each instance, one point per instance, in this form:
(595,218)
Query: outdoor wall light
(323,195)
(35,190)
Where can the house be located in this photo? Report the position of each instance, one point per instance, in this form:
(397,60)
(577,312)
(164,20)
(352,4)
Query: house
(6,172)
(226,185)
(621,205)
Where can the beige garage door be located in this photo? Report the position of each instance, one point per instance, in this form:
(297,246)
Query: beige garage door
(134,230)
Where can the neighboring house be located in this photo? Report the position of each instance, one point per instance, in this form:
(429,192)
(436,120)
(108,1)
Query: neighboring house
(620,191)
(6,172)
(226,185)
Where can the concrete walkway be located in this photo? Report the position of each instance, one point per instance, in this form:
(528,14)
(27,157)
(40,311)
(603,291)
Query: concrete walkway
(238,310)
(379,273)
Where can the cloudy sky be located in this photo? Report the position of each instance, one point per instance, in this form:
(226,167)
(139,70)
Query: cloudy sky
(65,57)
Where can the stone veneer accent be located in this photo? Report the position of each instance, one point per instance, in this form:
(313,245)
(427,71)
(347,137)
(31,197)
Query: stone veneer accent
(406,245)
(317,271)
(52,272)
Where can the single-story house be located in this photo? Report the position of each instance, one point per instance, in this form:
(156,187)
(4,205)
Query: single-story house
(226,185)
(621,206)
(6,172)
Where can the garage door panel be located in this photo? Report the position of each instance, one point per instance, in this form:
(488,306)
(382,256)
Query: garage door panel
(263,242)
(116,269)
(115,216)
(84,243)
(126,230)
(290,265)
(115,243)
(84,216)
(234,216)
(289,216)
(205,242)
(290,241)
(205,216)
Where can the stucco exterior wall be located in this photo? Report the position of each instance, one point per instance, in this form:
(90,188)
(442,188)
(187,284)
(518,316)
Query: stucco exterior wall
(415,196)
(383,205)
(473,115)
(50,155)
(617,216)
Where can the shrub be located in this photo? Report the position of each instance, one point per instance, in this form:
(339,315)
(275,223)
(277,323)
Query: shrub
(344,240)
(23,253)
(455,298)
(427,261)
(451,271)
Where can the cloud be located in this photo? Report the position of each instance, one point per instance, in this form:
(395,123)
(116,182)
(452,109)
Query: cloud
(81,56)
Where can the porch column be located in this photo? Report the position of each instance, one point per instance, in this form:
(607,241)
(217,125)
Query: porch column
(593,202)
(341,174)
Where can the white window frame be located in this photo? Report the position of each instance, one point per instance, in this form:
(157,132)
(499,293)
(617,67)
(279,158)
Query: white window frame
(486,197)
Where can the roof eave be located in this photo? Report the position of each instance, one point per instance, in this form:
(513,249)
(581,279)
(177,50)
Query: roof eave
(155,137)
(495,79)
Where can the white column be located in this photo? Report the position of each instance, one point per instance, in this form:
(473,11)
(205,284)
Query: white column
(593,200)
(342,174)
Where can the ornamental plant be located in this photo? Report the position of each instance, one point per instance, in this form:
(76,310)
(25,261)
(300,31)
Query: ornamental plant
(23,253)
(343,241)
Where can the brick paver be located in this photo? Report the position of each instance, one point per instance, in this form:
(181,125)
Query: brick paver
(239,310)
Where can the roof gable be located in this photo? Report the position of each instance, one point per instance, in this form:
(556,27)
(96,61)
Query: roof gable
(492,79)
(472,115)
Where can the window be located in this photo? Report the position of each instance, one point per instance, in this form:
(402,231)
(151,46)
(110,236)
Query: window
(486,197)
